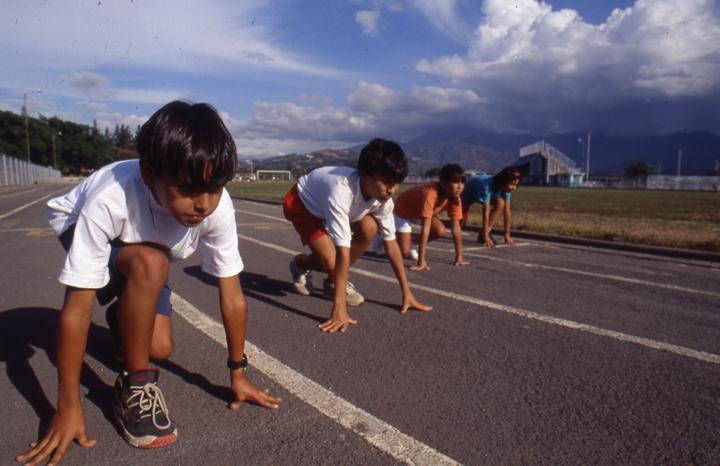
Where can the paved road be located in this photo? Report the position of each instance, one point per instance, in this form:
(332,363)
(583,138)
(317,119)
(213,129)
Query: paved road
(535,354)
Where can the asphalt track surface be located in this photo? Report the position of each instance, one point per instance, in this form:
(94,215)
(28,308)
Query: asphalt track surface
(534,354)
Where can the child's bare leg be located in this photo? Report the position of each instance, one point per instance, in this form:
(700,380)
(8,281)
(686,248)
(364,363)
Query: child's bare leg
(162,338)
(364,231)
(322,255)
(146,270)
(437,229)
(405,242)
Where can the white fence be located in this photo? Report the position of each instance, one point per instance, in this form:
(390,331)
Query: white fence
(689,183)
(660,182)
(17,172)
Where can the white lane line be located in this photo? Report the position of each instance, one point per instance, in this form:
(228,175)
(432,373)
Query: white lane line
(29,204)
(618,278)
(482,248)
(17,230)
(646,342)
(375,431)
(549,267)
(19,193)
(259,224)
(273,217)
(262,204)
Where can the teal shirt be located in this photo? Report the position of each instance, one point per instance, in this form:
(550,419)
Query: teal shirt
(479,189)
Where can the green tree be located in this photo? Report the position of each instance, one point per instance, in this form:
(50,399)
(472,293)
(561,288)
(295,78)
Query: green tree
(640,170)
(77,147)
(433,172)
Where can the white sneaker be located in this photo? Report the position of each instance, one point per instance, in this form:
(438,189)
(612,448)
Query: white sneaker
(377,247)
(353,298)
(413,254)
(301,278)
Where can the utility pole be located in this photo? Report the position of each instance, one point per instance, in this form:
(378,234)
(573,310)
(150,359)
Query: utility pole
(25,113)
(587,157)
(679,164)
(54,157)
(27,130)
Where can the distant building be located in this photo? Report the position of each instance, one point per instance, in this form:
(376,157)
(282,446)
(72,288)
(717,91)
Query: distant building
(548,166)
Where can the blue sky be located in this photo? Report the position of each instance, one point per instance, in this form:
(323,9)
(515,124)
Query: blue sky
(293,76)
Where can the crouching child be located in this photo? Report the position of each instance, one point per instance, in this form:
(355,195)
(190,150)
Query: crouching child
(121,227)
(337,211)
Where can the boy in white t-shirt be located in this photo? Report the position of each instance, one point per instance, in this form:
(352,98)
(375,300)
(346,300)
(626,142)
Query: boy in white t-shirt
(337,211)
(121,227)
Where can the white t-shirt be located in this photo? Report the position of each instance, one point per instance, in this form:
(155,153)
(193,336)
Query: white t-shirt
(114,203)
(334,195)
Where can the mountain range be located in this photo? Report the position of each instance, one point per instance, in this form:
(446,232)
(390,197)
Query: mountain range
(481,150)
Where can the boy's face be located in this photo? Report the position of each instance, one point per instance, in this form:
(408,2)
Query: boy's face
(188,205)
(378,187)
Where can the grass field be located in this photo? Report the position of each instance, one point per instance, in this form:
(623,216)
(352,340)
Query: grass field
(678,219)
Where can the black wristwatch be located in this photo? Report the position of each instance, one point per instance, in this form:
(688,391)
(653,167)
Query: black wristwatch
(237,365)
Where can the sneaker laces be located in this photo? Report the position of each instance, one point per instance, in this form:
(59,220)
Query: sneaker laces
(150,401)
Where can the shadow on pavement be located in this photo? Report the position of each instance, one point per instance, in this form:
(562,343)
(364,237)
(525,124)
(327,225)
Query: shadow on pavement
(25,330)
(258,287)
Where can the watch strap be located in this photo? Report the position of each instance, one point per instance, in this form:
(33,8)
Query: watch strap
(237,365)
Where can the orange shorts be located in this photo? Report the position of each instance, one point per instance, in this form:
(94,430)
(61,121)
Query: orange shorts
(308,226)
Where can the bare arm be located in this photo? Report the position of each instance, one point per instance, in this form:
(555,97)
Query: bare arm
(487,240)
(422,245)
(340,319)
(457,240)
(233,307)
(396,261)
(68,423)
(507,216)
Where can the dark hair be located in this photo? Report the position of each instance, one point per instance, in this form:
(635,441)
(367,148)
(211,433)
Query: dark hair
(186,142)
(506,176)
(384,158)
(452,172)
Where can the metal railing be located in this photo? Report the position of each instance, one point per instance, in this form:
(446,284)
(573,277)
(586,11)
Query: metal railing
(18,172)
(543,147)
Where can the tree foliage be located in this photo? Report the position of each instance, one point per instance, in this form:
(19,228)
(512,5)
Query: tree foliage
(640,170)
(77,147)
(433,172)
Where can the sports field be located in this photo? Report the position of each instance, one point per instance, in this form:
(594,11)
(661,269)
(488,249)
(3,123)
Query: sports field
(678,219)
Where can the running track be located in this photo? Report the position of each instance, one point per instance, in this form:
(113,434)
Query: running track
(535,354)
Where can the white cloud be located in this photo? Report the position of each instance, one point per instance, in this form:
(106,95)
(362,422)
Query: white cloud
(368,20)
(89,84)
(524,51)
(177,35)
(373,109)
(111,119)
(443,16)
(96,86)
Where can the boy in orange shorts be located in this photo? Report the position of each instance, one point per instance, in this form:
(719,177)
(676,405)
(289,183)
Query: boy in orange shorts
(337,211)
(422,204)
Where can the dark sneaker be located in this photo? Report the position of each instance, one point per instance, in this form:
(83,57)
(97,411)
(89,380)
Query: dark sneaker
(302,281)
(140,410)
(111,316)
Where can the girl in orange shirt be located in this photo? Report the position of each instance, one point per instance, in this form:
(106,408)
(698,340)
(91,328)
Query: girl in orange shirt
(422,204)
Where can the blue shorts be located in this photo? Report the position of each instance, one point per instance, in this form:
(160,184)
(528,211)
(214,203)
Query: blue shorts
(116,285)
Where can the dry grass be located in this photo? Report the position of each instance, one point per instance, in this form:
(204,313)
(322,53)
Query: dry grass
(676,219)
